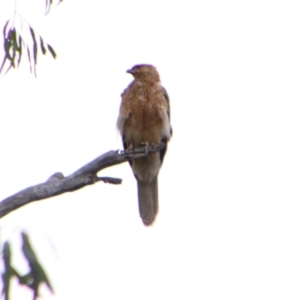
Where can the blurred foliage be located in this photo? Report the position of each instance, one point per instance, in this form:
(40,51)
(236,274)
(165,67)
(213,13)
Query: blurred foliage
(32,279)
(15,46)
(49,3)
(17,41)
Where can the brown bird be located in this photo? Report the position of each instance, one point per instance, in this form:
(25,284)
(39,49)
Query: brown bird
(144,118)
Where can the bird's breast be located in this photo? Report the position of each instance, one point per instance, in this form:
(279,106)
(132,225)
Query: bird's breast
(144,124)
(145,115)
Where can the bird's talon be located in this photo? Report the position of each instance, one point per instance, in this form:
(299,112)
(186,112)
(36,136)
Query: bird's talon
(130,148)
(146,144)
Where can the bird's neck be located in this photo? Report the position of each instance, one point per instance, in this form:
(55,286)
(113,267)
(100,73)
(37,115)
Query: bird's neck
(149,80)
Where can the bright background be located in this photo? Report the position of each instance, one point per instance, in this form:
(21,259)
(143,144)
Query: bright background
(229,225)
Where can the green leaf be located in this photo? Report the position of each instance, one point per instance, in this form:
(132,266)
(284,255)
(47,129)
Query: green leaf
(3,63)
(4,29)
(34,45)
(14,40)
(14,45)
(13,57)
(9,271)
(36,270)
(48,5)
(42,46)
(6,48)
(20,50)
(51,51)
(9,46)
(29,58)
(6,255)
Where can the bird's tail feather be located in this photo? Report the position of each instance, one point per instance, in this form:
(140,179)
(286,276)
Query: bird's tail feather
(148,200)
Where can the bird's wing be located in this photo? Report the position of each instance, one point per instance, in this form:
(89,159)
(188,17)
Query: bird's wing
(167,98)
(165,139)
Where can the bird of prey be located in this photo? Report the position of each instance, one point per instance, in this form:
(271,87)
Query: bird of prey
(144,119)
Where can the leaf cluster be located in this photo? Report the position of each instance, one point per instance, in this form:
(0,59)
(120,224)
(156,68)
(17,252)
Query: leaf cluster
(33,279)
(49,3)
(15,44)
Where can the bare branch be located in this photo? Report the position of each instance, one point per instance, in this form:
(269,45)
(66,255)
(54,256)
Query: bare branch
(58,184)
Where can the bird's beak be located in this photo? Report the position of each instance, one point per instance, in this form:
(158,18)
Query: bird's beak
(130,71)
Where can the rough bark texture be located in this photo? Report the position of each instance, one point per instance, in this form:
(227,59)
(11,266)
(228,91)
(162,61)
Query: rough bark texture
(58,184)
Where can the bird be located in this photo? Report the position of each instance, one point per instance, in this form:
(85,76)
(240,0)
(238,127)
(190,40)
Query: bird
(144,119)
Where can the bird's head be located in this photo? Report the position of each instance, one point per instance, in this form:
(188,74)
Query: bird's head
(147,72)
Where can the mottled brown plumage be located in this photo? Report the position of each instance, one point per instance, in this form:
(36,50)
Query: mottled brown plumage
(144,118)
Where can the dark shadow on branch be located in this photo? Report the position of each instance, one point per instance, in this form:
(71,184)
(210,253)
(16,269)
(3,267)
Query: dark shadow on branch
(58,184)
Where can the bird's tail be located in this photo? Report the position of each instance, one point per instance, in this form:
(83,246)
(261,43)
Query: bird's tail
(148,200)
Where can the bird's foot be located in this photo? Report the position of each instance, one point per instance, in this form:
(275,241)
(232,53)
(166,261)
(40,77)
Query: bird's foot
(146,145)
(129,148)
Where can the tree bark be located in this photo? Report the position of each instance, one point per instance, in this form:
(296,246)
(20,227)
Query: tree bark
(58,184)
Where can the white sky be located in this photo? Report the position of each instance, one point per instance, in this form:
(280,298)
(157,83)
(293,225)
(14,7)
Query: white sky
(229,225)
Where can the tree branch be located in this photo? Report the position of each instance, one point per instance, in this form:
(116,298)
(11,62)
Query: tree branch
(58,184)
